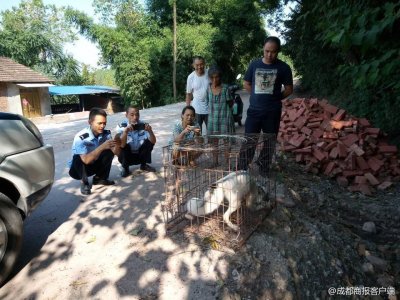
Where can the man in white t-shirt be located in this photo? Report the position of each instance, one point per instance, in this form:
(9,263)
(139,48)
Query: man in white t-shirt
(196,90)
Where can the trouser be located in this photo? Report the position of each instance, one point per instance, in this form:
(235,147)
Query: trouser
(143,156)
(268,123)
(100,167)
(200,118)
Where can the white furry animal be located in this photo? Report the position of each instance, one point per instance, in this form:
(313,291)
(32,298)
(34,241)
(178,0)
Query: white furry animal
(233,188)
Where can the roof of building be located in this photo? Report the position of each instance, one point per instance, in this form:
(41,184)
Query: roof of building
(11,71)
(82,90)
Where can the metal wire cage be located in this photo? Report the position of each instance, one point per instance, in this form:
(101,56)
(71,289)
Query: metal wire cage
(220,183)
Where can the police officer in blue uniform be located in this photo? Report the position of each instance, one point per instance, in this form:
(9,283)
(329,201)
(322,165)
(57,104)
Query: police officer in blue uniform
(93,150)
(137,142)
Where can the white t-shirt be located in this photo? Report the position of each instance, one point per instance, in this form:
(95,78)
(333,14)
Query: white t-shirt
(197,85)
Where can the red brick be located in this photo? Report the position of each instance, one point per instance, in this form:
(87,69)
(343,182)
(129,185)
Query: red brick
(330,108)
(288,147)
(375,164)
(317,133)
(360,179)
(364,188)
(342,150)
(372,179)
(292,115)
(361,163)
(364,122)
(306,130)
(384,185)
(372,131)
(319,154)
(387,149)
(329,168)
(352,173)
(317,119)
(303,150)
(322,102)
(330,135)
(357,150)
(300,112)
(334,153)
(339,115)
(325,123)
(297,141)
(330,146)
(350,139)
(351,161)
(313,125)
(300,122)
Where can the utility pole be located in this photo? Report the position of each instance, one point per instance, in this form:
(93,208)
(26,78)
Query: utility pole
(174,50)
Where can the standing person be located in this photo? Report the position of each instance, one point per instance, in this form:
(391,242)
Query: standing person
(93,150)
(196,90)
(137,142)
(264,80)
(220,118)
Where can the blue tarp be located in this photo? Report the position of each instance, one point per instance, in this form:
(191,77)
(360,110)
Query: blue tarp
(81,90)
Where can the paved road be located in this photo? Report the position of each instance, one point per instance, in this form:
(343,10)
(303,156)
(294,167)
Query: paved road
(111,244)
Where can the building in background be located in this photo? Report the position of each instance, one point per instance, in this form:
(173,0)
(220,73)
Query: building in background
(22,90)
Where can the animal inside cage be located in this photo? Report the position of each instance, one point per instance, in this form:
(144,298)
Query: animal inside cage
(220,182)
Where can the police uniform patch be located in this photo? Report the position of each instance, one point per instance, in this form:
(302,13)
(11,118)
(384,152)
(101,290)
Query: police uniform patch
(84,136)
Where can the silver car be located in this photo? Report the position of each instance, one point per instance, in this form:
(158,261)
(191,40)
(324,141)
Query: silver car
(26,177)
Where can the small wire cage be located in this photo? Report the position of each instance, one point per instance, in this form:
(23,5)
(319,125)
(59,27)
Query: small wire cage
(221,184)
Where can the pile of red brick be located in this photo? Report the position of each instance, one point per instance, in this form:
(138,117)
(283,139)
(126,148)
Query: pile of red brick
(330,141)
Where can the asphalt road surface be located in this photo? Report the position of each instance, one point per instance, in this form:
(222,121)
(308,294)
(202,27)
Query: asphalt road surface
(111,244)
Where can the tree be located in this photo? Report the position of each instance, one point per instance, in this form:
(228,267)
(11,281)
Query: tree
(33,33)
(138,44)
(354,46)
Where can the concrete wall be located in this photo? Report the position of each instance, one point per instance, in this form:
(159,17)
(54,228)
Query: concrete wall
(14,99)
(3,97)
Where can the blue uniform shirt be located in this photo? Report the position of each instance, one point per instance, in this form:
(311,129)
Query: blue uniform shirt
(85,141)
(135,138)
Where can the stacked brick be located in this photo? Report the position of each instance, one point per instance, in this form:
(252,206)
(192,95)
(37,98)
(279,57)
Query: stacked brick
(330,141)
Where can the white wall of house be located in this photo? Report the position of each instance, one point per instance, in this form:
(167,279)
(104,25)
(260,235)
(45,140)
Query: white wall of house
(14,99)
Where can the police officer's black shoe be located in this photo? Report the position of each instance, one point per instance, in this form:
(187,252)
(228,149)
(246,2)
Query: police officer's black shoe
(85,188)
(98,181)
(125,172)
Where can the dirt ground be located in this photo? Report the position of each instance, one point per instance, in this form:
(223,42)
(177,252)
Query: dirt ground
(317,243)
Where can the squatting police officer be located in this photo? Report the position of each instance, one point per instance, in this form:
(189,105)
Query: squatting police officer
(137,142)
(93,150)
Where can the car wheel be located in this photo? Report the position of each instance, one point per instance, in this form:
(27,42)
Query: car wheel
(11,229)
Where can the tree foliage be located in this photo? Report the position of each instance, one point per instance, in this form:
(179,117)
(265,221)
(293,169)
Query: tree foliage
(137,43)
(32,34)
(354,45)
